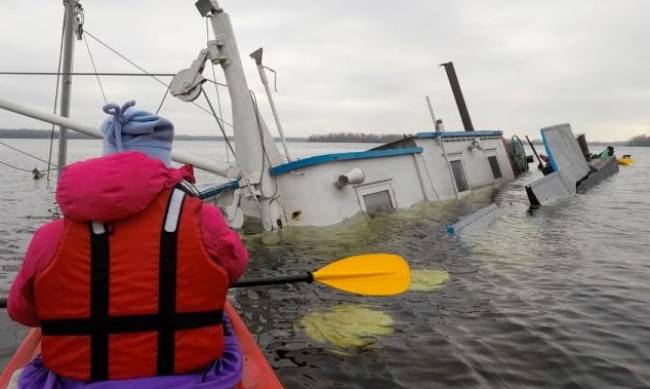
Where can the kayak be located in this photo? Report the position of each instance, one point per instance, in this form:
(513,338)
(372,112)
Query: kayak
(258,374)
(625,160)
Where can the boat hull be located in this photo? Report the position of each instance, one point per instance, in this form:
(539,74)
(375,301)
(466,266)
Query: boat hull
(258,374)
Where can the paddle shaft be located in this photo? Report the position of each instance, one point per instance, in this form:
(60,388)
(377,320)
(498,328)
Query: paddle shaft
(307,277)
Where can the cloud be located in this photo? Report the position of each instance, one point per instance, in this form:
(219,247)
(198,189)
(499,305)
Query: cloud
(362,65)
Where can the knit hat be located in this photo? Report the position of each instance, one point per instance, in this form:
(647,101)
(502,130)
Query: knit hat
(131,129)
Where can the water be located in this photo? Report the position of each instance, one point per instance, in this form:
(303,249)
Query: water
(556,297)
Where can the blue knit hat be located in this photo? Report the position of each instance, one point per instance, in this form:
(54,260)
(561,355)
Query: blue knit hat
(131,129)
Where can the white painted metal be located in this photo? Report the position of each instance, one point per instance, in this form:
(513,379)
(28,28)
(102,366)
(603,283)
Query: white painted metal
(92,131)
(355,176)
(474,221)
(550,188)
(256,151)
(569,162)
(66,80)
(257,56)
(441,143)
(252,139)
(566,153)
(310,199)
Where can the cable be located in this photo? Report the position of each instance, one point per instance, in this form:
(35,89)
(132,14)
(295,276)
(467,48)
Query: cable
(41,171)
(140,68)
(223,130)
(56,98)
(214,77)
(143,70)
(25,153)
(92,62)
(264,152)
(162,101)
(15,167)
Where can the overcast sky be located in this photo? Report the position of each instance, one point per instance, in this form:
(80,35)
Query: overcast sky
(360,65)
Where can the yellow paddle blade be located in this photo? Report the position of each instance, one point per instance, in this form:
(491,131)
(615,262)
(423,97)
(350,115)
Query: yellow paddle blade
(367,274)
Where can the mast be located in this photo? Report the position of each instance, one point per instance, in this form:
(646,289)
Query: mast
(253,142)
(72,9)
(433,117)
(257,56)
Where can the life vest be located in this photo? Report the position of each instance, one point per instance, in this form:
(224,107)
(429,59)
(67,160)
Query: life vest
(137,297)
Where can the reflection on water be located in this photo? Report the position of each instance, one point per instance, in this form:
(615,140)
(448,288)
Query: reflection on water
(346,326)
(558,297)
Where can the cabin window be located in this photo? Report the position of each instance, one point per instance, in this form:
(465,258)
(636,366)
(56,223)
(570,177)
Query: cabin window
(378,202)
(459,175)
(494,165)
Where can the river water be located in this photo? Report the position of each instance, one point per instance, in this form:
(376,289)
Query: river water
(554,297)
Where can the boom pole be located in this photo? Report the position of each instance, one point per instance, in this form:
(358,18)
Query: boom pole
(92,131)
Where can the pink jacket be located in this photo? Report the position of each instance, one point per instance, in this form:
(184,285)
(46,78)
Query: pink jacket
(111,188)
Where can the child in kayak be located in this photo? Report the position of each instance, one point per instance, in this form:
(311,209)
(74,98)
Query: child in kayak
(129,287)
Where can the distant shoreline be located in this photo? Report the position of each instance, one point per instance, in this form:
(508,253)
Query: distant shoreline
(26,133)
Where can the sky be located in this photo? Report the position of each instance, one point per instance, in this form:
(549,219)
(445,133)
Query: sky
(358,65)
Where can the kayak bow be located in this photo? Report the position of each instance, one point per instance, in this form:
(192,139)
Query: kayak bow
(258,374)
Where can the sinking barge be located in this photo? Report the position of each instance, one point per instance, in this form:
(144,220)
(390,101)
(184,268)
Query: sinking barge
(570,168)
(265,186)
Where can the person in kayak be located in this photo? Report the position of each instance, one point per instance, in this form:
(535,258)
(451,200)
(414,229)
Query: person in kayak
(129,287)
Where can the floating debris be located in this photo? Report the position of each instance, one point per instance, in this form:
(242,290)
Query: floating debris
(428,280)
(348,326)
(477,220)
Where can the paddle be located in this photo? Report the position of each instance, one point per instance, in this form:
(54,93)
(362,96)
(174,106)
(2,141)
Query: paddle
(368,274)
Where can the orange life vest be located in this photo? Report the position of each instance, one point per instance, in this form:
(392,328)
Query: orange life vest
(137,297)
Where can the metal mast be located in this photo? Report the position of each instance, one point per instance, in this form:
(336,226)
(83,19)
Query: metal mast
(72,11)
(257,56)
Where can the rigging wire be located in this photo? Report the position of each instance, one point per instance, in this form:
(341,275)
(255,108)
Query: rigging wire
(56,98)
(26,153)
(244,178)
(92,62)
(162,101)
(223,130)
(264,151)
(143,70)
(113,74)
(15,167)
(214,77)
(276,194)
(214,73)
(33,171)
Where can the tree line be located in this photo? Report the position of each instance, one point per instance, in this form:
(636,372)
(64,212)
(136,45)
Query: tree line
(639,140)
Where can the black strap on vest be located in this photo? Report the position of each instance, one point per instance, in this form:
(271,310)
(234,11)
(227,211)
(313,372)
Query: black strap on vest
(99,271)
(100,325)
(167,294)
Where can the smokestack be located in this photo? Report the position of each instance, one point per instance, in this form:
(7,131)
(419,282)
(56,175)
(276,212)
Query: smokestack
(458,95)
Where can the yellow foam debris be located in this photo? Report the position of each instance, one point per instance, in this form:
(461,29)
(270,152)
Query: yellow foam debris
(428,280)
(346,326)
